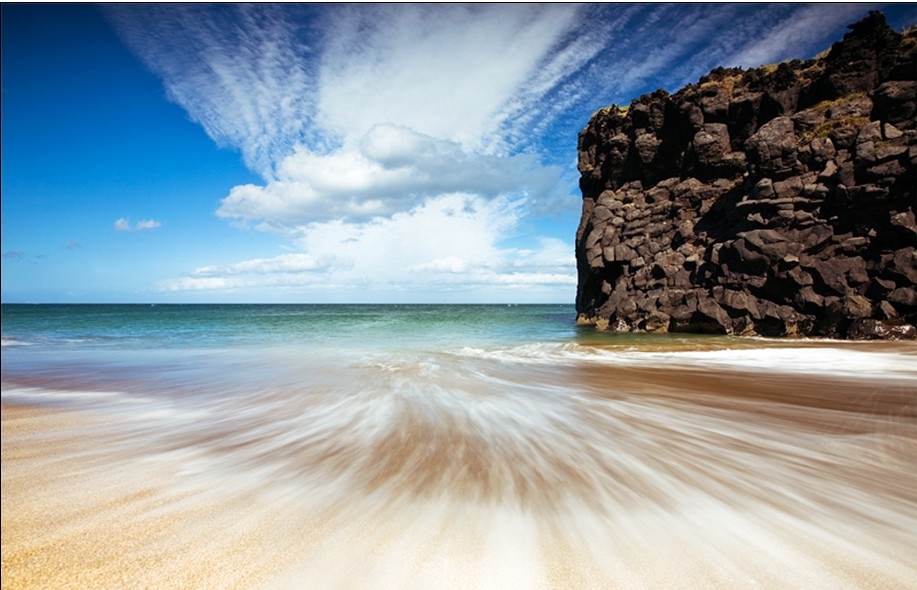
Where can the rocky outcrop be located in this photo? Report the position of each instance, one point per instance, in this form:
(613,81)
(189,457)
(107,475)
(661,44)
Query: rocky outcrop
(776,201)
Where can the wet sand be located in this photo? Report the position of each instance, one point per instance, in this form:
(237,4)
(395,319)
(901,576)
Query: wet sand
(485,475)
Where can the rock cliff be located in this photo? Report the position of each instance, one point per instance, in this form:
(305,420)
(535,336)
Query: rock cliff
(776,201)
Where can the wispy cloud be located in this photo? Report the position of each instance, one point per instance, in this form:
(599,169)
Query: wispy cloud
(287,263)
(670,45)
(14,255)
(797,35)
(448,71)
(287,270)
(242,71)
(123,224)
(71,244)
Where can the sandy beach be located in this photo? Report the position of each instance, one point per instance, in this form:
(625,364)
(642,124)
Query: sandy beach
(75,516)
(788,482)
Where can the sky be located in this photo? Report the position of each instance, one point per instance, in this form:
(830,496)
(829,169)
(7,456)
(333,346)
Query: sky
(354,153)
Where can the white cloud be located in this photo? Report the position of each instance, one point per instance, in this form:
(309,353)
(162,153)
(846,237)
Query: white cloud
(448,71)
(147,224)
(457,226)
(199,284)
(448,243)
(123,224)
(450,264)
(236,283)
(239,70)
(393,169)
(286,263)
(796,35)
(293,270)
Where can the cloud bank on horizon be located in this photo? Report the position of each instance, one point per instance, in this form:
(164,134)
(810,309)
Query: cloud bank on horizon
(403,147)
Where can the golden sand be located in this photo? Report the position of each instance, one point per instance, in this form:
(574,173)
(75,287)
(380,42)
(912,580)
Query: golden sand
(784,482)
(74,517)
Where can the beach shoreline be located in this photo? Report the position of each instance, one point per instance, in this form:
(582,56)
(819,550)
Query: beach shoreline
(296,446)
(87,503)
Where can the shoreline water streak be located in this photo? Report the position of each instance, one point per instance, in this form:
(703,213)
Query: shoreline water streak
(446,447)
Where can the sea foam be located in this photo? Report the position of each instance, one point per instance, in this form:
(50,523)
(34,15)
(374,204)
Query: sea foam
(817,360)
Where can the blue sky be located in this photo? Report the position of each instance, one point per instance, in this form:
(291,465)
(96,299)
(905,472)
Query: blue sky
(333,153)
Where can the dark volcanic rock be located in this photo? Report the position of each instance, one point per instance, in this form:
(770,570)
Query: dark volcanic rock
(777,201)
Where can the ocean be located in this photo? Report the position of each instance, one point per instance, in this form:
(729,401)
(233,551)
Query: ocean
(446,446)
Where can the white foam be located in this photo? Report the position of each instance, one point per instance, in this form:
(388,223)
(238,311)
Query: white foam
(813,360)
(43,395)
(825,361)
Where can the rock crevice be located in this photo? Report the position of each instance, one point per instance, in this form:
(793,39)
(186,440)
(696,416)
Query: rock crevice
(777,201)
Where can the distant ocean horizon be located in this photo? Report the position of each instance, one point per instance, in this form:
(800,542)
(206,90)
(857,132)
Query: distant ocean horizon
(206,324)
(449,445)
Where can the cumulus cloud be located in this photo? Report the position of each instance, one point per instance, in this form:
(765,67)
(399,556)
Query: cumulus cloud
(391,170)
(447,243)
(123,224)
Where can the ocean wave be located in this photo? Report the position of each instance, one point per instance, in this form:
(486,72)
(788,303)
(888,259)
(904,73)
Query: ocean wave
(830,360)
(47,396)
(14,342)
(58,341)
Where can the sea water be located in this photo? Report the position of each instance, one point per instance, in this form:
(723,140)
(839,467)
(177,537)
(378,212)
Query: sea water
(457,446)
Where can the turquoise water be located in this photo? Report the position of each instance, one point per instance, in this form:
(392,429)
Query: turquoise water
(420,434)
(210,326)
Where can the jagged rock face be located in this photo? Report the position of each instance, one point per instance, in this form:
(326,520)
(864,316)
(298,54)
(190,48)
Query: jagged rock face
(777,201)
